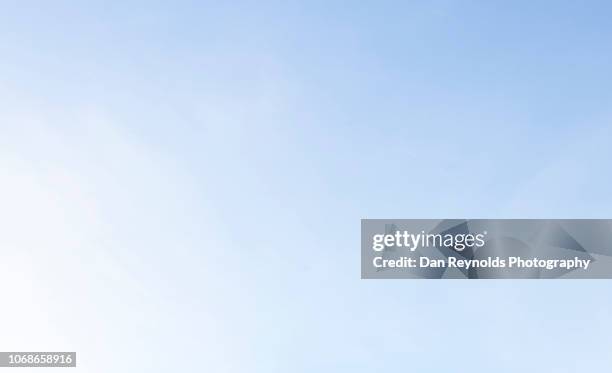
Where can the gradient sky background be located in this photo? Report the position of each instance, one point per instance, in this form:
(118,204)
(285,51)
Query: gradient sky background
(182,183)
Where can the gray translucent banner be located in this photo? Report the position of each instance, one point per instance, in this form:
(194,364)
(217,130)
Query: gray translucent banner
(486,249)
(37,359)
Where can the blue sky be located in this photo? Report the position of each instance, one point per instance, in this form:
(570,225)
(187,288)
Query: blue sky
(185,180)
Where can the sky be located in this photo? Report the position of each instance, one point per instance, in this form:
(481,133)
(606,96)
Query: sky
(182,183)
